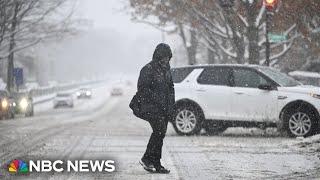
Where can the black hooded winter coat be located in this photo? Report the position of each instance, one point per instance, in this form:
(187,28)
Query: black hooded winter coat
(155,85)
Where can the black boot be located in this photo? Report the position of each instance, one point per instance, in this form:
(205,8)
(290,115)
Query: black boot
(161,170)
(147,165)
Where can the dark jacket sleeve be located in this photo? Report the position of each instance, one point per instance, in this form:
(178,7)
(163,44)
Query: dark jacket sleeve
(144,84)
(171,92)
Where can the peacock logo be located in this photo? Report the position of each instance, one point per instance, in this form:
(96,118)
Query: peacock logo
(18,166)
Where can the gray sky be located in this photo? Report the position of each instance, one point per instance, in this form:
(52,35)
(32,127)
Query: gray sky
(114,45)
(113,14)
(135,42)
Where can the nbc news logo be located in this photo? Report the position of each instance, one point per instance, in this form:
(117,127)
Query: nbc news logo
(21,167)
(18,166)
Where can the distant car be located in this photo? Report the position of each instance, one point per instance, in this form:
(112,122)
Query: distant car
(116,91)
(84,93)
(23,104)
(6,106)
(63,99)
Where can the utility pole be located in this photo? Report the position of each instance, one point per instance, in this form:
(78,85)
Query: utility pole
(270,6)
(268,50)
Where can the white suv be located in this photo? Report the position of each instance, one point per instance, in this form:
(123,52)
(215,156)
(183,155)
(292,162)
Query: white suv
(215,97)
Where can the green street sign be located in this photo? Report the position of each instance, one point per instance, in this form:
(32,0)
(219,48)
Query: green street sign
(276,38)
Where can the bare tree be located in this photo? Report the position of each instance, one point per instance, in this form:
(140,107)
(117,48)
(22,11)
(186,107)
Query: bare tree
(235,34)
(24,23)
(306,16)
(171,18)
(239,31)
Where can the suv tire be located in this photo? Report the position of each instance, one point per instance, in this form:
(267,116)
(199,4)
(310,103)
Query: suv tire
(299,122)
(187,120)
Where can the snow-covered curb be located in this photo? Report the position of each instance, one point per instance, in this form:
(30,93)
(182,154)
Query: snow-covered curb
(311,144)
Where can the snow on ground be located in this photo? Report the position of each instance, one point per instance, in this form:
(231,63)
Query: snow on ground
(46,116)
(310,144)
(239,131)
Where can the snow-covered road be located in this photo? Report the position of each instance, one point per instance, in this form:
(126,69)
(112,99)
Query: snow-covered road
(104,128)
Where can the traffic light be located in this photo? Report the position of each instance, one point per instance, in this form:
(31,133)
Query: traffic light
(270,4)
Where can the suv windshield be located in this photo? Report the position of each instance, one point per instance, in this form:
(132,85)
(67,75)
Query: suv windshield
(280,78)
(179,74)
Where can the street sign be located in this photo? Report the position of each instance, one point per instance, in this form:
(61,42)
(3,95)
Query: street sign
(18,76)
(276,38)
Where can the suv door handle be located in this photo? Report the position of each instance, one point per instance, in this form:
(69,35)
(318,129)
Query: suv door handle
(239,93)
(282,97)
(201,90)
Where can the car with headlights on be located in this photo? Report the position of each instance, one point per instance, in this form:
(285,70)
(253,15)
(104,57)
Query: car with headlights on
(6,106)
(23,104)
(84,93)
(63,99)
(215,97)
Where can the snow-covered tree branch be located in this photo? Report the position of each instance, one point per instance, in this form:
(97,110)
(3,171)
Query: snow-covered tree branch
(237,32)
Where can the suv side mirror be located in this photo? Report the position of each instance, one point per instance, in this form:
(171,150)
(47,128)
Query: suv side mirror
(266,87)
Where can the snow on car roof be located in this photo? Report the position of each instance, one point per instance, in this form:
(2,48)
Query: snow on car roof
(305,74)
(215,65)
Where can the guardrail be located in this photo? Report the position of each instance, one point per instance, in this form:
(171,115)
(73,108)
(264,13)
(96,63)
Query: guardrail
(42,91)
(47,92)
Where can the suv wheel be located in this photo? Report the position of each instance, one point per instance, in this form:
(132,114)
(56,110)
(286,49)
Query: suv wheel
(300,122)
(187,120)
(214,128)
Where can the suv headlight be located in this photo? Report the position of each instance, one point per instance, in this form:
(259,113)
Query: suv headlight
(4,103)
(315,95)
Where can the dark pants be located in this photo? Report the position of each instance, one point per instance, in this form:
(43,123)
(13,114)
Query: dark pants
(154,148)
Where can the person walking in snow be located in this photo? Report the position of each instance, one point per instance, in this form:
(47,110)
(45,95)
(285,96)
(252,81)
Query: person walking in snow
(157,97)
